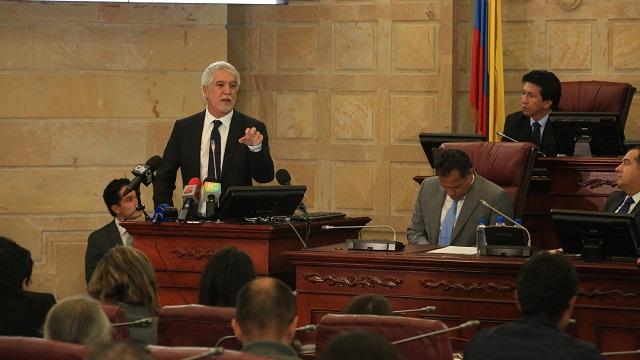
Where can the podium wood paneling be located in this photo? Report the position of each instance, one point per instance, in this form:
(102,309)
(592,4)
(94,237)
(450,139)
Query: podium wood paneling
(179,252)
(464,287)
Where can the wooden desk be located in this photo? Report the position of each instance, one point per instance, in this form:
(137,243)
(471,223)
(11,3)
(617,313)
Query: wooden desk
(179,252)
(464,288)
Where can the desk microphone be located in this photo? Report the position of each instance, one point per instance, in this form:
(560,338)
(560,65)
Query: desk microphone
(514,140)
(330,227)
(437,332)
(422,309)
(216,351)
(146,322)
(510,219)
(615,353)
(305,328)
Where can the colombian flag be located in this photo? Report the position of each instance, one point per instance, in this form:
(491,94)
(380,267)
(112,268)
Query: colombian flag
(487,70)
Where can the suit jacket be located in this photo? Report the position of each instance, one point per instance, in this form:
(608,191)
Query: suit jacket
(100,242)
(615,200)
(517,126)
(425,222)
(240,164)
(22,313)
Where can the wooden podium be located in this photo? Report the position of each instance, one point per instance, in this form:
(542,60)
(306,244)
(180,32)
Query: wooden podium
(179,252)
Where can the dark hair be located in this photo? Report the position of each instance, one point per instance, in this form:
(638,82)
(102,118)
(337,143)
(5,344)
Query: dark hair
(368,304)
(360,345)
(637,159)
(225,274)
(550,88)
(453,159)
(265,304)
(545,285)
(16,263)
(111,193)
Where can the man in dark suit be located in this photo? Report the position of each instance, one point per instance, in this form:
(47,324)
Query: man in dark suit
(624,200)
(541,91)
(22,312)
(219,143)
(112,234)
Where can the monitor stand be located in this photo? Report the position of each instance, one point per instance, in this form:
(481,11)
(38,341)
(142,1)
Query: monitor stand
(582,146)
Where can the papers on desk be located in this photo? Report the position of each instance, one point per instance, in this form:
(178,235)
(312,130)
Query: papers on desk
(457,250)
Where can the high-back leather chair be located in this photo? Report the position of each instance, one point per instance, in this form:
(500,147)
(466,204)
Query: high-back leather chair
(506,164)
(394,328)
(28,348)
(196,325)
(116,315)
(182,352)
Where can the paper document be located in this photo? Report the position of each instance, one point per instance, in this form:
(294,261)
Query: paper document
(458,250)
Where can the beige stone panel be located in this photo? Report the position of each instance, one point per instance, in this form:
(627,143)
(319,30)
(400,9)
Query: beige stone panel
(625,45)
(244,48)
(464,41)
(163,14)
(67,253)
(98,95)
(25,232)
(16,45)
(296,47)
(413,46)
(303,173)
(403,188)
(352,116)
(465,119)
(204,45)
(36,135)
(354,46)
(512,102)
(569,45)
(632,127)
(295,114)
(411,114)
(352,185)
(516,45)
(26,11)
(157,135)
(249,103)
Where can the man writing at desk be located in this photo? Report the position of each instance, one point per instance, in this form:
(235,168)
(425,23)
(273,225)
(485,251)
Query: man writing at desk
(624,201)
(218,143)
(448,208)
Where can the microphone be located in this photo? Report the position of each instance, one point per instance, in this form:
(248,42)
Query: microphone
(211,191)
(437,332)
(370,245)
(422,309)
(615,353)
(143,174)
(190,197)
(305,328)
(514,140)
(510,219)
(216,351)
(284,178)
(159,214)
(146,322)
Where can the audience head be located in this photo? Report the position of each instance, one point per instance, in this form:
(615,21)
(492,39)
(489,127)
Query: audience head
(546,287)
(124,274)
(16,264)
(629,172)
(227,271)
(265,310)
(78,320)
(541,91)
(119,206)
(360,345)
(117,350)
(368,304)
(454,170)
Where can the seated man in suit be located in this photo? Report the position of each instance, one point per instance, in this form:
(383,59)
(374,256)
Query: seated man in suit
(448,208)
(624,200)
(546,292)
(266,319)
(22,312)
(219,143)
(112,234)
(541,91)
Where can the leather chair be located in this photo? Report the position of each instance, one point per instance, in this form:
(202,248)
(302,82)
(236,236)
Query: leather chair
(116,315)
(196,325)
(182,352)
(393,328)
(28,348)
(506,164)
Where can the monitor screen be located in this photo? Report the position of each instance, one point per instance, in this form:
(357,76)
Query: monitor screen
(260,201)
(602,131)
(616,234)
(430,141)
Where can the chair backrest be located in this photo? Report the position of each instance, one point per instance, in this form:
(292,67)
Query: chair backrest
(506,164)
(393,328)
(116,315)
(182,352)
(28,348)
(196,325)
(597,96)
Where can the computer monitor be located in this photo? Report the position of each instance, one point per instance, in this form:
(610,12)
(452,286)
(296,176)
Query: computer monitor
(587,133)
(260,201)
(431,141)
(596,234)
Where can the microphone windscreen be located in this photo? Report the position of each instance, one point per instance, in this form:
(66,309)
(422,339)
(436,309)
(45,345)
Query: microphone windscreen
(195,181)
(154,162)
(283,177)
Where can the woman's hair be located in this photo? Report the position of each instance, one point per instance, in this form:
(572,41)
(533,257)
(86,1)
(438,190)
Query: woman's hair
(368,304)
(78,320)
(124,274)
(225,274)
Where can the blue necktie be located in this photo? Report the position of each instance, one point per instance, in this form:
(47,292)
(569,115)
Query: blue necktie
(624,209)
(447,225)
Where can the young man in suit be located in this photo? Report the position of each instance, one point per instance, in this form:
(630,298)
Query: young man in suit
(219,143)
(113,234)
(625,200)
(448,208)
(541,91)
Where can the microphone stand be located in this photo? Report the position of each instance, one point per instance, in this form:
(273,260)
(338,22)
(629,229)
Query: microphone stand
(501,134)
(510,219)
(140,206)
(437,332)
(424,309)
(615,353)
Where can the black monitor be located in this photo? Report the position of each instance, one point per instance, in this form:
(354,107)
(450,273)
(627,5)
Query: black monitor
(596,234)
(431,141)
(260,201)
(600,134)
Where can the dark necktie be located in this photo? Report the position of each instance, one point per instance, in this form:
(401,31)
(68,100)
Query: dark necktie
(624,209)
(215,151)
(535,133)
